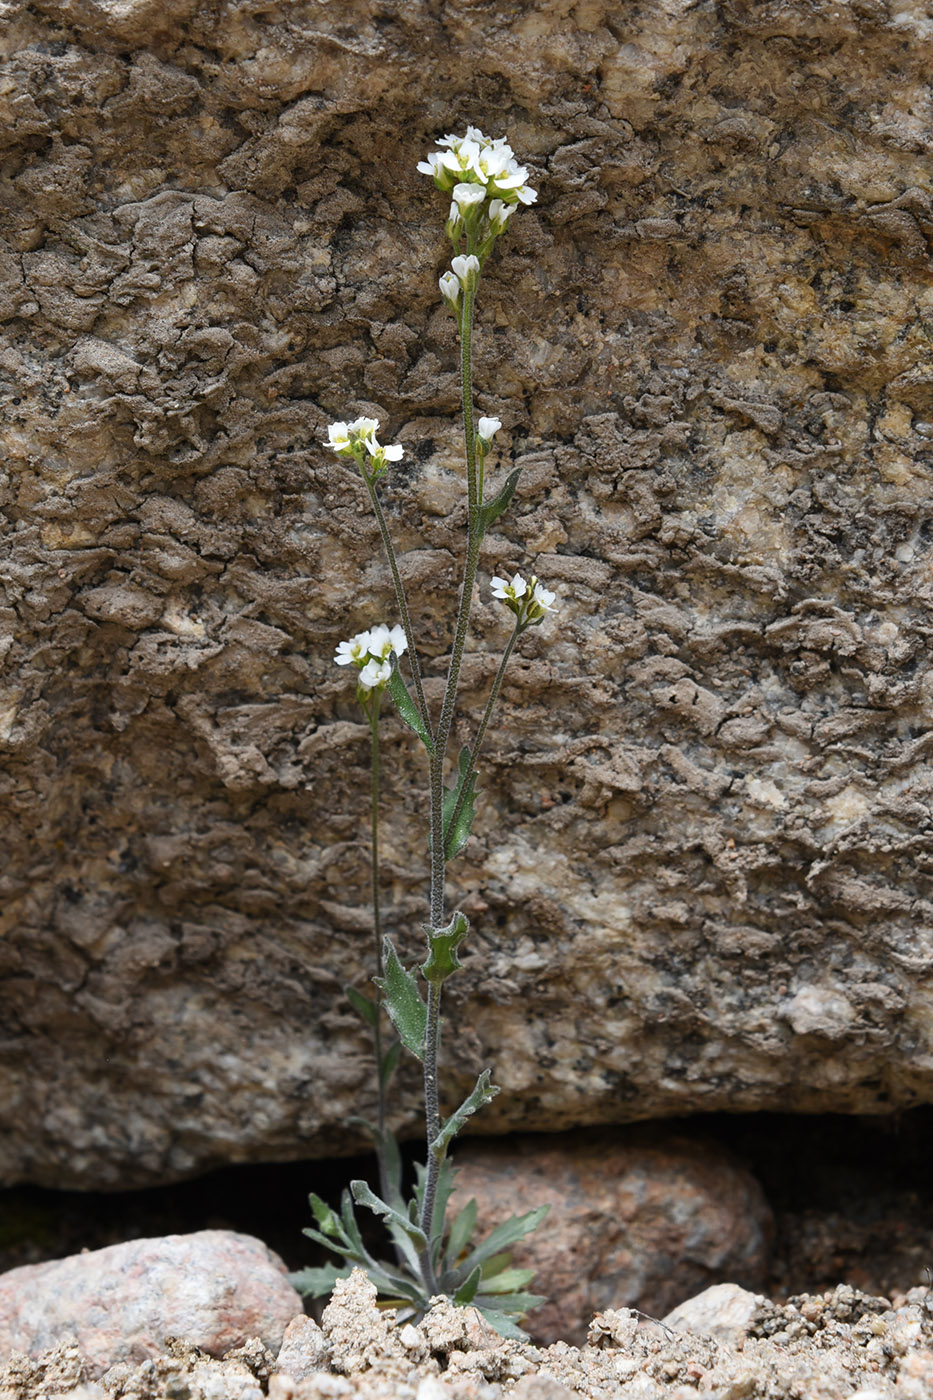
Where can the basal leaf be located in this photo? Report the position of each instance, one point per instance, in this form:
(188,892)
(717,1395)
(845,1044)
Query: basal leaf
(467,1290)
(317,1283)
(506,1234)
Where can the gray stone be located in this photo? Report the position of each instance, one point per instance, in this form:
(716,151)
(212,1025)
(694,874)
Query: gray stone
(699,879)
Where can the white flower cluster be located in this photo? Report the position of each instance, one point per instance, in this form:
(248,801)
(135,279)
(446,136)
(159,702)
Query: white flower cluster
(528,599)
(358,440)
(369,653)
(486,184)
(477,167)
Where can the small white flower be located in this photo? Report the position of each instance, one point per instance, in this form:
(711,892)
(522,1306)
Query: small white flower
(450,287)
(363,428)
(464,266)
(542,599)
(527,195)
(431,166)
(499,215)
(487,428)
(354,651)
(383,639)
(465,196)
(501,588)
(374,673)
(338,437)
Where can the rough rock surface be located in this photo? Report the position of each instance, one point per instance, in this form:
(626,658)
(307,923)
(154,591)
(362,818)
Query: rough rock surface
(215,1290)
(638,1222)
(841,1346)
(700,873)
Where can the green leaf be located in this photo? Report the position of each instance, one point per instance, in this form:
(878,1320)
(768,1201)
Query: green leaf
(506,1234)
(407,709)
(467,1290)
(317,1283)
(456,832)
(483,1092)
(389,1060)
(461,1232)
(502,1323)
(444,943)
(363,1006)
(517,1303)
(324,1216)
(403,1001)
(500,502)
(506,1280)
(365,1196)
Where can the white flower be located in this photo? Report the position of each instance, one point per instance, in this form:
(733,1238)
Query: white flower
(355,650)
(501,588)
(373,674)
(383,639)
(487,428)
(464,266)
(450,288)
(343,437)
(465,196)
(475,160)
(499,215)
(431,166)
(542,599)
(527,195)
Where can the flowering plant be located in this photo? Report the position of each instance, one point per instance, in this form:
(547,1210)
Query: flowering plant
(434,1256)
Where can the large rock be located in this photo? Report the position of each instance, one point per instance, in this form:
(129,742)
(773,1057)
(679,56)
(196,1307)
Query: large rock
(641,1221)
(699,878)
(214,1290)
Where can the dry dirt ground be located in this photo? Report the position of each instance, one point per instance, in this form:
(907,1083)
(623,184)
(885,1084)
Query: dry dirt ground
(843,1344)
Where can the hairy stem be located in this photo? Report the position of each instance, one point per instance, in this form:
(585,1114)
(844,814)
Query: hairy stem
(400,598)
(484,725)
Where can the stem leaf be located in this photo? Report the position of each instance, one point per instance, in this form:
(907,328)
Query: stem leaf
(459,807)
(404,1002)
(483,1092)
(500,502)
(443,943)
(363,1006)
(406,707)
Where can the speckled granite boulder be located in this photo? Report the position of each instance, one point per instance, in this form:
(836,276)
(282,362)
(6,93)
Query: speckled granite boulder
(214,1290)
(700,873)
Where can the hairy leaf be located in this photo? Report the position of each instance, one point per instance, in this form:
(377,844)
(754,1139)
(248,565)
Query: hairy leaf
(500,502)
(443,943)
(467,1290)
(403,1001)
(457,831)
(407,709)
(483,1092)
(317,1283)
(508,1233)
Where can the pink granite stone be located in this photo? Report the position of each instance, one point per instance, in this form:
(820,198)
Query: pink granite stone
(215,1289)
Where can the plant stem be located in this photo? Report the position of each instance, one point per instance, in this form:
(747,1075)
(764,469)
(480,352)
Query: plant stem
(400,598)
(441,740)
(484,724)
(372,713)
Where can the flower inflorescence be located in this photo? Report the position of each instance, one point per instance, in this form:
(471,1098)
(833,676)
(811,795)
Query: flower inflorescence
(486,185)
(358,440)
(369,652)
(528,599)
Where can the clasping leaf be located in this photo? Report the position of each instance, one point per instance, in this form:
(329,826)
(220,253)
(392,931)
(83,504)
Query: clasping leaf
(403,1001)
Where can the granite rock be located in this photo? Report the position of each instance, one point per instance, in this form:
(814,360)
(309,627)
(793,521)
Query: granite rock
(635,1220)
(214,1291)
(699,877)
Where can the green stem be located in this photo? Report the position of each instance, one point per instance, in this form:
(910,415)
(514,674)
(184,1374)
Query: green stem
(441,740)
(484,725)
(433,1124)
(372,714)
(400,597)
